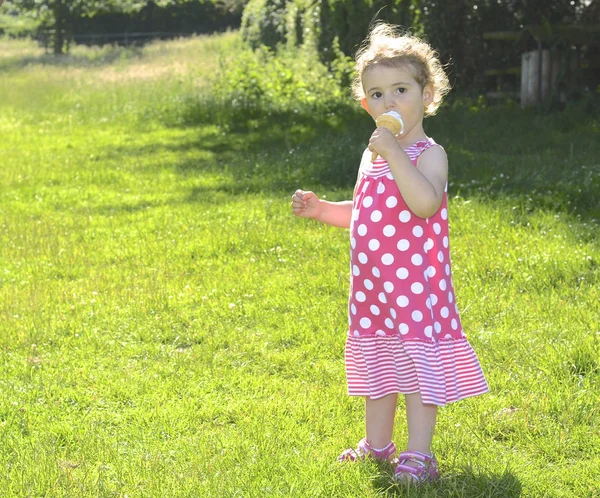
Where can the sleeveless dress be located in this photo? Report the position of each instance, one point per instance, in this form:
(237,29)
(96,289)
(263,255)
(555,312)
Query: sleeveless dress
(404,333)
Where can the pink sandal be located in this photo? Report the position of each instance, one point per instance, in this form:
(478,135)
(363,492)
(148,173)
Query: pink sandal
(365,450)
(426,468)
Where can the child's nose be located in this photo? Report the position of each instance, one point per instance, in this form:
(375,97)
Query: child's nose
(389,102)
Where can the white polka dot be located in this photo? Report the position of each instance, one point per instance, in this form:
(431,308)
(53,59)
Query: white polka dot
(433,298)
(440,256)
(437,228)
(365,323)
(376,216)
(375,272)
(389,287)
(456,308)
(362,230)
(428,303)
(356,333)
(444,312)
(368,284)
(380,332)
(360,297)
(403,328)
(445,241)
(430,271)
(355,214)
(387,259)
(450,297)
(389,324)
(454,324)
(355,271)
(393,313)
(442,284)
(428,245)
(382,298)
(403,245)
(402,273)
(389,176)
(389,230)
(404,216)
(380,188)
(447,336)
(417,288)
(417,231)
(374,310)
(444,214)
(368,201)
(402,301)
(353,309)
(362,257)
(417,259)
(438,327)
(373,244)
(417,316)
(391,202)
(353,243)
(429,331)
(448,270)
(350,320)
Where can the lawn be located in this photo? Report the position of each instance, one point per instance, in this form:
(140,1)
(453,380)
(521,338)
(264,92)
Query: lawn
(168,328)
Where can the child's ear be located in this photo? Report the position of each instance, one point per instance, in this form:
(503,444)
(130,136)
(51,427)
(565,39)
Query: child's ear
(428,95)
(365,105)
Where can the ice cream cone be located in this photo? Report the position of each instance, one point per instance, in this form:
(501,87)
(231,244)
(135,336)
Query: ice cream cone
(392,121)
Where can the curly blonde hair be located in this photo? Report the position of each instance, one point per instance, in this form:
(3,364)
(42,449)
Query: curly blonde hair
(387,46)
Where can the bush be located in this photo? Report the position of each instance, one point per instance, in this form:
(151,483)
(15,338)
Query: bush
(258,83)
(264,23)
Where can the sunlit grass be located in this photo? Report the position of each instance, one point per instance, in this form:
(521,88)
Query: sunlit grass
(168,328)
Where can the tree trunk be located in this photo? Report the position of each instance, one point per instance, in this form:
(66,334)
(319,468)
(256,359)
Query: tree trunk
(59,27)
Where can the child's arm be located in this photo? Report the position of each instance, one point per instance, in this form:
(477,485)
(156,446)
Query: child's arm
(307,205)
(422,187)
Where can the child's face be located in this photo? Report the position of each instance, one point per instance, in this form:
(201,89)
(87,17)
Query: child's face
(395,89)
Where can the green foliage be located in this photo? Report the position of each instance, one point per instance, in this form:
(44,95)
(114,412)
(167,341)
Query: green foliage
(454,27)
(263,23)
(261,82)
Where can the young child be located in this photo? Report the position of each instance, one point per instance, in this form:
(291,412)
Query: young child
(405,334)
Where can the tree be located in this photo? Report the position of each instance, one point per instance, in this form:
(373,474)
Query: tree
(56,17)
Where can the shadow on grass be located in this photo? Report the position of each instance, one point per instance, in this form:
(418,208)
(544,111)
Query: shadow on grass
(467,484)
(536,161)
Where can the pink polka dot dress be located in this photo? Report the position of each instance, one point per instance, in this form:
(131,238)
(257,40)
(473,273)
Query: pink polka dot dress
(404,333)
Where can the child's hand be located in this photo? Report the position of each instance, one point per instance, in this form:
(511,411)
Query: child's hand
(383,142)
(306,204)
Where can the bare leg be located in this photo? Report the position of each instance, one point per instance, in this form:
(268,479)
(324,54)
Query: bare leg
(421,423)
(380,420)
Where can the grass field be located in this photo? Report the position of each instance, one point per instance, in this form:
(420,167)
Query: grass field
(169,329)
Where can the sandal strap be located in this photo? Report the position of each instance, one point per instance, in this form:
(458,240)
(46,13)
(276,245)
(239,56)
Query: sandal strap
(426,466)
(417,472)
(416,457)
(364,449)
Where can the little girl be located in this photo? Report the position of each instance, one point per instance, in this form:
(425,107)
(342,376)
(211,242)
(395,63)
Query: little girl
(405,334)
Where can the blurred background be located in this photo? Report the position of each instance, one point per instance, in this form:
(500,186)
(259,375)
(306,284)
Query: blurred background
(533,51)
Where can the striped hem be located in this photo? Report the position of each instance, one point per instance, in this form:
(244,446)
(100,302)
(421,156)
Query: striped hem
(443,372)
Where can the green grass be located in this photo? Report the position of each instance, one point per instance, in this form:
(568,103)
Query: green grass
(168,328)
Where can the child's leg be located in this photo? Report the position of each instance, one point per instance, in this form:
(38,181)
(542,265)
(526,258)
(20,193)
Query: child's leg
(380,420)
(421,423)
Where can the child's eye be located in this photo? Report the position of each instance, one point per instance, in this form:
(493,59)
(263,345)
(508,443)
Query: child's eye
(376,95)
(401,89)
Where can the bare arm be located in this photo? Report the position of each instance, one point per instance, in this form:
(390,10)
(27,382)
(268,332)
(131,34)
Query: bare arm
(422,187)
(307,205)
